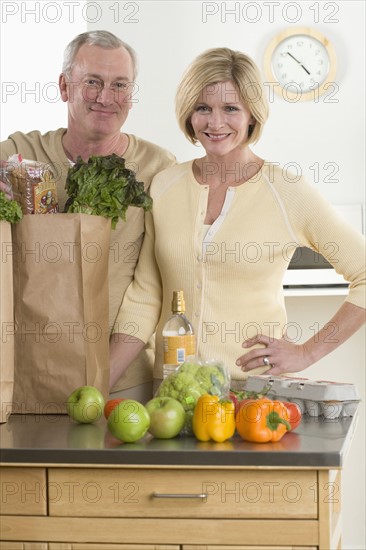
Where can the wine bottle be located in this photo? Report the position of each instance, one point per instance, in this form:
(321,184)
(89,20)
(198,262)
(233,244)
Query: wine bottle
(178,336)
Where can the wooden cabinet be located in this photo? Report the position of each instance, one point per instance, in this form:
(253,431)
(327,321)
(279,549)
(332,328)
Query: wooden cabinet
(221,547)
(170,547)
(184,547)
(24,491)
(169,508)
(181,493)
(84,546)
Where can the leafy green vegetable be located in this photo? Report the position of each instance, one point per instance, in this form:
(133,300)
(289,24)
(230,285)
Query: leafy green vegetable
(10,210)
(183,387)
(192,380)
(103,186)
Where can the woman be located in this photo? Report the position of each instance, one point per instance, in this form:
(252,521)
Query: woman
(223,229)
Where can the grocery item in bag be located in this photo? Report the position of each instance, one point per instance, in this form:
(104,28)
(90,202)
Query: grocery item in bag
(33,185)
(60,309)
(193,379)
(6,323)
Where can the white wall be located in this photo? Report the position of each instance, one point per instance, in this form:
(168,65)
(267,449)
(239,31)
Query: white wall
(167,36)
(33,38)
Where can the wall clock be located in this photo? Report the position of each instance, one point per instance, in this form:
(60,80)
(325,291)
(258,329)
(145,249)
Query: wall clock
(301,63)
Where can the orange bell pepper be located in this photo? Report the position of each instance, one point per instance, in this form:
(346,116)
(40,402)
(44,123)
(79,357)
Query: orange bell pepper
(262,420)
(213,419)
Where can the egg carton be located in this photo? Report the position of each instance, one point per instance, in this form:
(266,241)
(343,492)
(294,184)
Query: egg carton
(314,397)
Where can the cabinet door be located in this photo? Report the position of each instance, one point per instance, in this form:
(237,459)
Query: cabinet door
(223,547)
(112,546)
(8,545)
(182,493)
(23,492)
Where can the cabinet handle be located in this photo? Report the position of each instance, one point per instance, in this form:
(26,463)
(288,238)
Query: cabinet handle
(180,495)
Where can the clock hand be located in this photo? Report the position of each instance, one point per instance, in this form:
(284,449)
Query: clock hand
(297,61)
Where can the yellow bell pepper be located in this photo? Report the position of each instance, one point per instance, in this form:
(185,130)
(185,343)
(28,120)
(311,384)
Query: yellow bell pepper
(213,419)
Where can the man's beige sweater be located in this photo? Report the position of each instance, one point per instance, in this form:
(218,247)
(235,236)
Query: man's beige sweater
(146,159)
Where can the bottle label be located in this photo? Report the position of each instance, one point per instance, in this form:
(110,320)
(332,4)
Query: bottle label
(177,348)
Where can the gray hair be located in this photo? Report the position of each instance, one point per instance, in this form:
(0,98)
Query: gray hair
(103,39)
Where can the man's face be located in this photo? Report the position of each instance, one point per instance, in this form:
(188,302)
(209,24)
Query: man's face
(99,91)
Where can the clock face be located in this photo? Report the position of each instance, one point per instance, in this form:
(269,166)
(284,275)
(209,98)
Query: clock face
(302,61)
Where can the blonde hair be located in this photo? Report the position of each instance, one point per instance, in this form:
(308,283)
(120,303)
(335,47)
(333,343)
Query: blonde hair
(221,65)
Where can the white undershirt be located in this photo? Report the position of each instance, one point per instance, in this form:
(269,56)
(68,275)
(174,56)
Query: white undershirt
(206,228)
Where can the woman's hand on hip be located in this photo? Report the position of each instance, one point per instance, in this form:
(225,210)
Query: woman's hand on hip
(279,355)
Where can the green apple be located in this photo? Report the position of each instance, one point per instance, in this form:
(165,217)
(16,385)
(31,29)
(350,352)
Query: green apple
(129,421)
(167,417)
(85,404)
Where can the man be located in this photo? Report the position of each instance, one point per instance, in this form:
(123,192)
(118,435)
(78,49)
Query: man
(97,83)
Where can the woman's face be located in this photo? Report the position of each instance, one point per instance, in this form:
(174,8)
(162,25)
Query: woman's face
(220,120)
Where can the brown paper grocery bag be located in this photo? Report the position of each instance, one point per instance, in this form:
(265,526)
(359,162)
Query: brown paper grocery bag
(6,322)
(60,309)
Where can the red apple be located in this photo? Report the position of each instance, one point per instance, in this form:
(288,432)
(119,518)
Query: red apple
(109,406)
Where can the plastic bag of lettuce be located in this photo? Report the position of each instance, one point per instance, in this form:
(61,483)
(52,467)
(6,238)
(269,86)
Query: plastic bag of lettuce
(193,379)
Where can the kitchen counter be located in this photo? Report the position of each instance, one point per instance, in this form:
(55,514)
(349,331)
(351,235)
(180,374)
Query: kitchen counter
(65,485)
(40,439)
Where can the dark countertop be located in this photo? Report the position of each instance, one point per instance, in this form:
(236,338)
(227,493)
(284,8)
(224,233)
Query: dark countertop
(56,439)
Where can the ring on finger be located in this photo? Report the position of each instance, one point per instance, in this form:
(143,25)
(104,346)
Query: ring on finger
(266,361)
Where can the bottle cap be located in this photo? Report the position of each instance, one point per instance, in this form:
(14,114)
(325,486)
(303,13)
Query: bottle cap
(178,305)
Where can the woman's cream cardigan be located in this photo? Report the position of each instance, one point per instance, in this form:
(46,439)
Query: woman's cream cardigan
(232,274)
